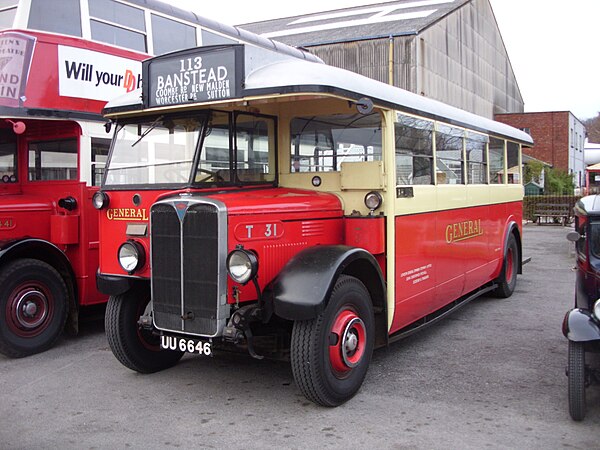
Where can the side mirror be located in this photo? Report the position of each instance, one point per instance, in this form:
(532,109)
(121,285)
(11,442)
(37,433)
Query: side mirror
(573,236)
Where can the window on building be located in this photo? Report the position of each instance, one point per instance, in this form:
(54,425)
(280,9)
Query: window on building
(53,160)
(323,143)
(57,17)
(449,144)
(118,24)
(414,150)
(169,35)
(496,163)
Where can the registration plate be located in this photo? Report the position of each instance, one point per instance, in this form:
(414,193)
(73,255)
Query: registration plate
(186,345)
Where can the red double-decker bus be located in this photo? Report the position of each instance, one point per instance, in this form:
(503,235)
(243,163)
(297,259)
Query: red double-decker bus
(53,146)
(291,209)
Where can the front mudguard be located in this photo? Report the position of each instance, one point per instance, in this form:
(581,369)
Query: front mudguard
(579,325)
(301,290)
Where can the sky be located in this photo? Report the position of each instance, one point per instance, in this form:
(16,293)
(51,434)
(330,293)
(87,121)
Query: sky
(553,45)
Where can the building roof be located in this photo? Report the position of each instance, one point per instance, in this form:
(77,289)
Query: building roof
(381,20)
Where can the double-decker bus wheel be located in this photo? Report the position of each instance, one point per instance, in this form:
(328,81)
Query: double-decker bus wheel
(136,348)
(330,354)
(508,277)
(33,307)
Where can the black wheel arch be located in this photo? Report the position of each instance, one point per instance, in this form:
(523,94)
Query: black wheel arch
(49,253)
(302,288)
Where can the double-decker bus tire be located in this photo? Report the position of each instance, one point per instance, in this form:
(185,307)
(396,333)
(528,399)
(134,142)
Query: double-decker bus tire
(330,354)
(136,348)
(576,373)
(508,277)
(33,307)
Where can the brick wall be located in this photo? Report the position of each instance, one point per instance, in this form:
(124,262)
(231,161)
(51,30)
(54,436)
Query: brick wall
(550,133)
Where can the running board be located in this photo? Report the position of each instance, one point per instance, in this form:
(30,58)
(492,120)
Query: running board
(440,314)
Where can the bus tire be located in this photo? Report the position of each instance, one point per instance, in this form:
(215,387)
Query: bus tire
(330,354)
(576,373)
(33,307)
(136,348)
(508,277)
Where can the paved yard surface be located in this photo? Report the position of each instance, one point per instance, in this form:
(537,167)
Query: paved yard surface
(490,376)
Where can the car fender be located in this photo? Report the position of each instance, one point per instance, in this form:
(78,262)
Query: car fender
(302,288)
(580,326)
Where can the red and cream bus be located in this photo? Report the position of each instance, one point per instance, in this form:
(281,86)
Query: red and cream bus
(60,62)
(291,209)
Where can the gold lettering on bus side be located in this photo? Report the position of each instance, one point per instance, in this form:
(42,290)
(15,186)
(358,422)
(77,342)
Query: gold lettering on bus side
(460,231)
(6,223)
(131,214)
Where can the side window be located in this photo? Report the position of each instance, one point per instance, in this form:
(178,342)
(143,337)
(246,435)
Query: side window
(58,17)
(214,157)
(476,146)
(53,160)
(512,162)
(414,150)
(119,24)
(496,161)
(100,149)
(169,35)
(323,143)
(8,158)
(449,154)
(254,137)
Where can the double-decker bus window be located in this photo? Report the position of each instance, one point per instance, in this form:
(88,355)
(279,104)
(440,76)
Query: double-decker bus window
(8,157)
(449,143)
(8,9)
(414,150)
(255,142)
(156,152)
(117,23)
(323,143)
(100,149)
(512,163)
(476,146)
(209,38)
(57,17)
(53,160)
(169,35)
(496,151)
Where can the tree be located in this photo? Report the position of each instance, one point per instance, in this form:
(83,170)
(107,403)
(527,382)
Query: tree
(558,182)
(593,128)
(533,171)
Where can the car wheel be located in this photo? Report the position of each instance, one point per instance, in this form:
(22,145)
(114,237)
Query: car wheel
(576,373)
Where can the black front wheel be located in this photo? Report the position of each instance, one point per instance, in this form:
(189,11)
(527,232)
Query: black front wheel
(33,307)
(576,373)
(330,354)
(136,348)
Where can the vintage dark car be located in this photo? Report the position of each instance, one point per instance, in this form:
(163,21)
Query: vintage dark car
(581,325)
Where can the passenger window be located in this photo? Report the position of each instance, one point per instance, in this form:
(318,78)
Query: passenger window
(169,35)
(53,160)
(323,143)
(119,24)
(449,143)
(512,162)
(8,157)
(58,17)
(496,150)
(414,150)
(476,146)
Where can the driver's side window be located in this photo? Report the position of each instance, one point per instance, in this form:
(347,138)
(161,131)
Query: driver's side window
(8,157)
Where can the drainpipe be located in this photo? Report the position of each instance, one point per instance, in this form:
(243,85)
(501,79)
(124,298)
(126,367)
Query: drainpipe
(391,62)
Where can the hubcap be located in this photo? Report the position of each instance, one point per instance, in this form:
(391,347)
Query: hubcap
(32,309)
(348,347)
(29,309)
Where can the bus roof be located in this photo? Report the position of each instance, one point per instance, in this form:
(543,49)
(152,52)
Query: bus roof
(285,75)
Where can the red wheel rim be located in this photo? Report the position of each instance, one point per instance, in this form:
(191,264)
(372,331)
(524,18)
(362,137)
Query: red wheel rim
(510,265)
(347,343)
(29,309)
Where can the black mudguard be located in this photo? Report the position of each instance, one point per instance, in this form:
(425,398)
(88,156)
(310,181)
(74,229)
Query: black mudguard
(301,290)
(579,326)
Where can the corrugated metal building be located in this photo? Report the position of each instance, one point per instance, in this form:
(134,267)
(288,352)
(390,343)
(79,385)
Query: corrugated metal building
(448,50)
